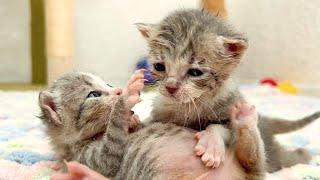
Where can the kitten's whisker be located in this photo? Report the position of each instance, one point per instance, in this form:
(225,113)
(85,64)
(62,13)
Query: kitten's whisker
(210,109)
(195,106)
(110,115)
(207,105)
(186,114)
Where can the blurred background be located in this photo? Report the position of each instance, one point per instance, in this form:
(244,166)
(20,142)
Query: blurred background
(41,39)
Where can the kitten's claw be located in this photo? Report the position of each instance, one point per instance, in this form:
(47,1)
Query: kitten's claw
(211,148)
(244,114)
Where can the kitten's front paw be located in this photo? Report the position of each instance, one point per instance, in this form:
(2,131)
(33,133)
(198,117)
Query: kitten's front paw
(135,85)
(244,114)
(134,123)
(211,148)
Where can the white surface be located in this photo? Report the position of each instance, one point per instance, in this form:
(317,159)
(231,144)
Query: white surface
(284,36)
(106,40)
(15,57)
(284,39)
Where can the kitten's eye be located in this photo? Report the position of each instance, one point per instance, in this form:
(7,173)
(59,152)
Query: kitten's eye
(94,94)
(159,67)
(195,72)
(109,85)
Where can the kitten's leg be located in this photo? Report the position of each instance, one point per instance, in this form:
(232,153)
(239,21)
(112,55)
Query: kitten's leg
(297,156)
(105,155)
(249,148)
(211,145)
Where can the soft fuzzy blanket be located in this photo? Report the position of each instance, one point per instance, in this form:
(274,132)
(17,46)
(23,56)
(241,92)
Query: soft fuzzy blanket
(26,154)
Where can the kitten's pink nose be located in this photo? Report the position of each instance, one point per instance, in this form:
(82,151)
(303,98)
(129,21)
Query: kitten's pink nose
(117,91)
(172,89)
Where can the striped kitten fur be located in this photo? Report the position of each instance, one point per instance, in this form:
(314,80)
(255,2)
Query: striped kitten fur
(193,56)
(88,121)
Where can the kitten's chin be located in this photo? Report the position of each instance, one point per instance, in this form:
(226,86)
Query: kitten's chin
(183,96)
(174,99)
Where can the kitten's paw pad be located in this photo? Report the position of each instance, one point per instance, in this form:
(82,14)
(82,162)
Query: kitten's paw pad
(243,113)
(201,146)
(211,148)
(212,160)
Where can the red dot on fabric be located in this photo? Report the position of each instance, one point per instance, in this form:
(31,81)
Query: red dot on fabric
(269,81)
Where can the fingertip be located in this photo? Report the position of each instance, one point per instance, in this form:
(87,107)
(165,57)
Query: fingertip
(60,177)
(144,70)
(197,135)
(77,168)
(140,71)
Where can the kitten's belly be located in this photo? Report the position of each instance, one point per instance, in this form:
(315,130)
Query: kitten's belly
(177,160)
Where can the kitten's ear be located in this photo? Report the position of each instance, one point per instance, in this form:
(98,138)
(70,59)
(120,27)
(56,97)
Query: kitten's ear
(231,47)
(146,30)
(48,107)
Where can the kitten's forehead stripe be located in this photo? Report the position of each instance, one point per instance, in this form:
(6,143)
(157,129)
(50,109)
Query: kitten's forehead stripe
(87,82)
(98,81)
(78,124)
(180,30)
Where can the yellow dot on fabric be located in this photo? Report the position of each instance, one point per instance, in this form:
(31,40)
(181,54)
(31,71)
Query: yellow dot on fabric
(287,87)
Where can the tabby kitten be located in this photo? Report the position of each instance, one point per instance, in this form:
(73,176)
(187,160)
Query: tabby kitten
(194,55)
(87,121)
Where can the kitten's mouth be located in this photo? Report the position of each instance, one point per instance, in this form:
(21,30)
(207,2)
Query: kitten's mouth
(176,98)
(172,97)
(98,136)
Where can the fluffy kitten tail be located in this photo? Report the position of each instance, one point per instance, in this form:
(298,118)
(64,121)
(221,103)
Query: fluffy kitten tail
(215,7)
(280,126)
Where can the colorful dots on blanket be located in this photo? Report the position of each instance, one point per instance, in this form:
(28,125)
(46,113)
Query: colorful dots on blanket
(269,81)
(7,137)
(307,172)
(308,177)
(27,157)
(286,86)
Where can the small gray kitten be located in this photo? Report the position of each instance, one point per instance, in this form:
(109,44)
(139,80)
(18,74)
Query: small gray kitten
(87,121)
(193,56)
